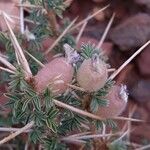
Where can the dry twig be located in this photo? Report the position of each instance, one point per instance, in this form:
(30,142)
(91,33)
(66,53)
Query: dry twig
(13,135)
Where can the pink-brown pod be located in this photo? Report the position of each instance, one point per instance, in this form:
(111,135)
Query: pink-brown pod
(10,8)
(55,75)
(117,98)
(92,77)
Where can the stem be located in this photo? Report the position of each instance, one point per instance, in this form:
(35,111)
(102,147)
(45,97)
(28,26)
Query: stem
(87,114)
(3,129)
(13,135)
(52,21)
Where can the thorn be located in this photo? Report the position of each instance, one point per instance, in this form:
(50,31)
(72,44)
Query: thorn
(128,61)
(7,70)
(18,49)
(89,17)
(81,32)
(36,60)
(106,31)
(59,38)
(6,63)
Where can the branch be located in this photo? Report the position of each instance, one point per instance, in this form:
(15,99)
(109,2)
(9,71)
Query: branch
(87,114)
(13,135)
(3,129)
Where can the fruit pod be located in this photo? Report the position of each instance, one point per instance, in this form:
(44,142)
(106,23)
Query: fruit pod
(10,8)
(55,75)
(92,74)
(117,98)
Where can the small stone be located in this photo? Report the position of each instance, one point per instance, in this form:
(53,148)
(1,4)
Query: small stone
(133,32)
(143,62)
(141,91)
(143,2)
(140,113)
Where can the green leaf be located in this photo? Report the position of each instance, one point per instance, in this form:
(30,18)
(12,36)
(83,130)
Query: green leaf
(111,123)
(117,146)
(36,103)
(25,105)
(98,124)
(35,135)
(97,102)
(88,50)
(51,124)
(52,113)
(39,117)
(48,99)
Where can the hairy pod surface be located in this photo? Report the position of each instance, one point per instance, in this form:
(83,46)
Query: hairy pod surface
(92,79)
(117,98)
(55,75)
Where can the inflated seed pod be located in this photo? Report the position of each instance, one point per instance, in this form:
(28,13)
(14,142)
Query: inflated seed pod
(117,98)
(58,73)
(92,74)
(55,75)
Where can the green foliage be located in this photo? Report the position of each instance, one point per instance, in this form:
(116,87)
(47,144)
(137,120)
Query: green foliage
(56,5)
(88,50)
(6,121)
(98,98)
(98,124)
(97,102)
(53,144)
(112,124)
(118,146)
(36,134)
